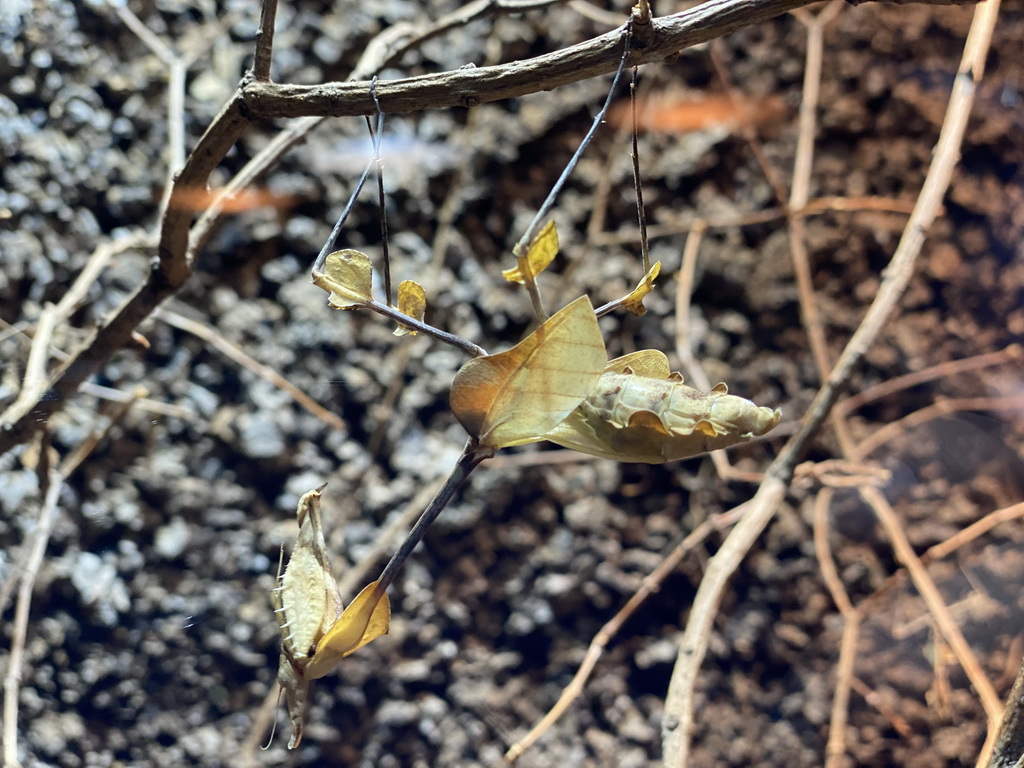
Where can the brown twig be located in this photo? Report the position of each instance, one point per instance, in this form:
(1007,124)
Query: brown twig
(259,100)
(684,347)
(650,585)
(679,706)
(973,531)
(945,369)
(815,207)
(19,627)
(937,410)
(836,747)
(237,355)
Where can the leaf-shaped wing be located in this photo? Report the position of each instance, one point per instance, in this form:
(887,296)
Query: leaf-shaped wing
(412,301)
(348,277)
(541,253)
(650,363)
(367,617)
(514,397)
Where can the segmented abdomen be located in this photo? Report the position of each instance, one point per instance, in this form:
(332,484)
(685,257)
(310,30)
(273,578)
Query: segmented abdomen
(681,410)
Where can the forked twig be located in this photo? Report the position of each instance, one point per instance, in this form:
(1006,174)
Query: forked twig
(650,585)
(679,708)
(256,100)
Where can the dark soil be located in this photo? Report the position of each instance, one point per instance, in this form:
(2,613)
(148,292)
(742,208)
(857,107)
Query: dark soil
(151,638)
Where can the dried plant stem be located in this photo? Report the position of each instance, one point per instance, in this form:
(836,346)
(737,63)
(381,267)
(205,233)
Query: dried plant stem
(650,585)
(1013,353)
(974,530)
(937,410)
(237,355)
(936,606)
(35,380)
(12,681)
(815,207)
(679,707)
(836,747)
(257,100)
(684,347)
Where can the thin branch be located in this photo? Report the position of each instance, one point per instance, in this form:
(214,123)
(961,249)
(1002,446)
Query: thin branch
(650,585)
(231,351)
(836,746)
(813,208)
(679,706)
(479,85)
(265,42)
(937,410)
(257,101)
(19,627)
(1013,353)
(938,609)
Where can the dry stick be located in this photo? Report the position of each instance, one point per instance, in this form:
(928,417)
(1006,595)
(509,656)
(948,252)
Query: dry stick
(945,548)
(836,747)
(746,127)
(35,381)
(973,531)
(934,411)
(236,354)
(471,87)
(799,196)
(947,626)
(802,181)
(70,463)
(816,334)
(257,101)
(175,94)
(264,52)
(1009,747)
(650,585)
(1011,353)
(53,480)
(19,628)
(813,208)
(679,707)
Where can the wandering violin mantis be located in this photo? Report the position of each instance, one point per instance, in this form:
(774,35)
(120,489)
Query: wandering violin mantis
(557,384)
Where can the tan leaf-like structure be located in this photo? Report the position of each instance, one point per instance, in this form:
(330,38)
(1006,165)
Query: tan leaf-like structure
(367,617)
(412,301)
(516,396)
(541,253)
(307,604)
(348,278)
(634,302)
(641,412)
(315,633)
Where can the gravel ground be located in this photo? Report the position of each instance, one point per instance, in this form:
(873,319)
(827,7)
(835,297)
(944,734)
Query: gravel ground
(151,639)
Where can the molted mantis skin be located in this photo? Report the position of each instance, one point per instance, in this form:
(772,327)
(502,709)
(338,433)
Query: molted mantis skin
(640,412)
(306,603)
